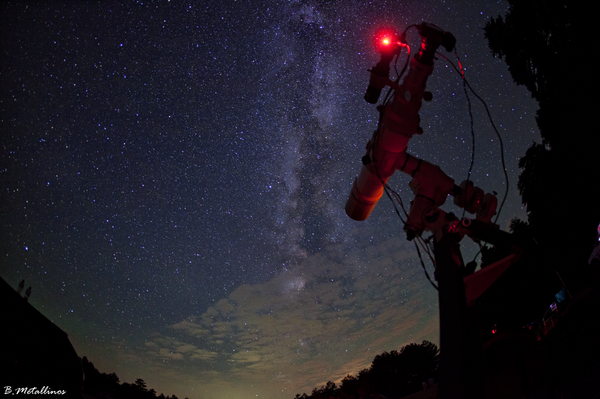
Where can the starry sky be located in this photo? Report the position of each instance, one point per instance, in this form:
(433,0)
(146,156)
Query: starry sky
(173,178)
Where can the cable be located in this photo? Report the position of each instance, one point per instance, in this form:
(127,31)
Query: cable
(478,252)
(399,75)
(424,269)
(425,246)
(471,123)
(398,198)
(394,203)
(388,96)
(418,240)
(495,130)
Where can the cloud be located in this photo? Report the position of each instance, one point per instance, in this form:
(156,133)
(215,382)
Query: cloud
(319,321)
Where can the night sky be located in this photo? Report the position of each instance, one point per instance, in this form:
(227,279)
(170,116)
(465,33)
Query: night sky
(173,179)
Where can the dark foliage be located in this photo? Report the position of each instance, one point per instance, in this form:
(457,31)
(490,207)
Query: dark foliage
(522,234)
(393,374)
(102,383)
(545,45)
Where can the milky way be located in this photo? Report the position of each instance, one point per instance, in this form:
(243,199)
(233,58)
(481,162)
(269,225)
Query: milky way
(174,177)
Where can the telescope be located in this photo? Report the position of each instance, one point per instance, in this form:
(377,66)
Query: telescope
(399,122)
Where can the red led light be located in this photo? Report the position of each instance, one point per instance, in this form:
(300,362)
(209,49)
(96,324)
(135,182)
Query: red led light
(385,40)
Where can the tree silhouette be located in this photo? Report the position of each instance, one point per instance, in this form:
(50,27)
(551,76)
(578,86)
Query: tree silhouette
(421,363)
(102,383)
(541,44)
(393,374)
(349,387)
(386,374)
(140,384)
(325,392)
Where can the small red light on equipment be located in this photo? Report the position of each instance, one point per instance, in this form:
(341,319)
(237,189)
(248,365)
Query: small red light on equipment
(386,40)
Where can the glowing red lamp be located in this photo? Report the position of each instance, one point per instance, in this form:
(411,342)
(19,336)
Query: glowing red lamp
(386,41)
